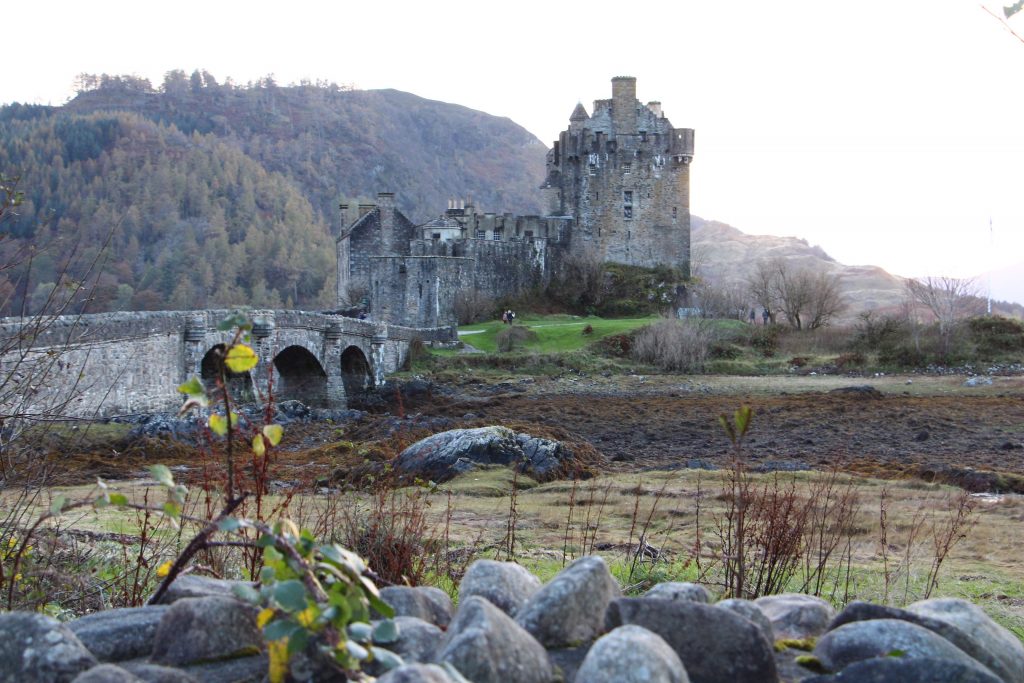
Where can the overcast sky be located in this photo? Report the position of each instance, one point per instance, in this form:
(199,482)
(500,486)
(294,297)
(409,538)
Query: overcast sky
(888,132)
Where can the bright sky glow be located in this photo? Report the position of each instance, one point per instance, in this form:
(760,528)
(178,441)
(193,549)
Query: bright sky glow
(888,132)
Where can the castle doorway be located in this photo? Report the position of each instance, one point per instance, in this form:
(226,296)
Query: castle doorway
(300,377)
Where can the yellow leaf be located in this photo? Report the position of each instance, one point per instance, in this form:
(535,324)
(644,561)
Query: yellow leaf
(264,616)
(307,616)
(258,447)
(273,434)
(164,569)
(218,424)
(277,668)
(241,358)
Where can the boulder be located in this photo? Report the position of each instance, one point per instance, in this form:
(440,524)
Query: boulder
(631,654)
(193,586)
(973,646)
(796,616)
(713,644)
(106,673)
(418,640)
(969,618)
(570,609)
(154,673)
(678,590)
(903,670)
(506,585)
(420,673)
(38,649)
(748,610)
(199,630)
(118,634)
(442,456)
(423,602)
(567,660)
(240,670)
(486,646)
(860,640)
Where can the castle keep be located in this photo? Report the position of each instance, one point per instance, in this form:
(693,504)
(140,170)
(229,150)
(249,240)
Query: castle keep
(617,189)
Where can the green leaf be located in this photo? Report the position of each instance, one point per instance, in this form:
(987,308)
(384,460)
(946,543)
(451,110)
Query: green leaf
(385,632)
(727,426)
(297,641)
(290,595)
(246,593)
(356,651)
(162,475)
(194,387)
(229,524)
(218,424)
(58,504)
(896,653)
(281,628)
(360,631)
(388,659)
(259,447)
(237,319)
(742,418)
(382,608)
(274,432)
(265,541)
(171,509)
(118,499)
(241,358)
(267,575)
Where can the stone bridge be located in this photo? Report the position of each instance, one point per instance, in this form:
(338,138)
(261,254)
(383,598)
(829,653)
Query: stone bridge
(116,363)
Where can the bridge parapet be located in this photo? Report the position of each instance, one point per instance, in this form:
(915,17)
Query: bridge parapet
(112,363)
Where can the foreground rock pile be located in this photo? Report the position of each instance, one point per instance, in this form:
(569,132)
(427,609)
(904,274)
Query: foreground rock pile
(509,628)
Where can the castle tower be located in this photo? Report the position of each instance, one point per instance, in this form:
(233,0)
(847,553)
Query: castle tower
(623,173)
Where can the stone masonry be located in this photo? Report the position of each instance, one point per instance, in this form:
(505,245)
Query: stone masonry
(617,189)
(115,363)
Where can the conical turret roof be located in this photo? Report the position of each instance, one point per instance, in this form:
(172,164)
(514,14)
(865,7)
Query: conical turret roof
(579,113)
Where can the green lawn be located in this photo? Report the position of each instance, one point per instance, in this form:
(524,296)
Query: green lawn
(555,333)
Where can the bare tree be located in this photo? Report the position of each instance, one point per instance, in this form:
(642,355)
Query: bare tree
(719,300)
(808,299)
(948,299)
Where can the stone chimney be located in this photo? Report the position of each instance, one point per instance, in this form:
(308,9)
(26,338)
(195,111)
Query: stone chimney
(386,206)
(656,108)
(624,105)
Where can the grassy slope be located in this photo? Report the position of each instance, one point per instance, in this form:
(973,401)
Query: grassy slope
(555,333)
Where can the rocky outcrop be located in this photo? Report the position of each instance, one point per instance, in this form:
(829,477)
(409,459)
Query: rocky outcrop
(443,456)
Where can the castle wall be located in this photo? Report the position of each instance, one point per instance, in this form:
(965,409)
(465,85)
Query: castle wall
(418,291)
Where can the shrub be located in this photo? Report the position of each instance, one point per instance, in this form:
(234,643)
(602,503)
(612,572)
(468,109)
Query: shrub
(850,360)
(615,345)
(798,361)
(723,350)
(677,345)
(472,306)
(588,330)
(513,336)
(765,340)
(994,335)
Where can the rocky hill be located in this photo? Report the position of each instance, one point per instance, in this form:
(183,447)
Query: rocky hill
(725,256)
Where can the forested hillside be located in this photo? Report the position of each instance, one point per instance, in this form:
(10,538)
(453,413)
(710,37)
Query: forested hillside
(202,194)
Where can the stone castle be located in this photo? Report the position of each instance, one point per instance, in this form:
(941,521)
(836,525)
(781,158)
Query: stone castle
(617,190)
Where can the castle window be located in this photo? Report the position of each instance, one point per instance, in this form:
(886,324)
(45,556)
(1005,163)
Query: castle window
(643,136)
(481,234)
(627,212)
(528,235)
(497,235)
(436,236)
(627,168)
(401,268)
(673,212)
(627,196)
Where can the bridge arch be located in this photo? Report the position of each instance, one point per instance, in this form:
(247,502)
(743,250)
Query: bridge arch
(356,371)
(239,383)
(300,377)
